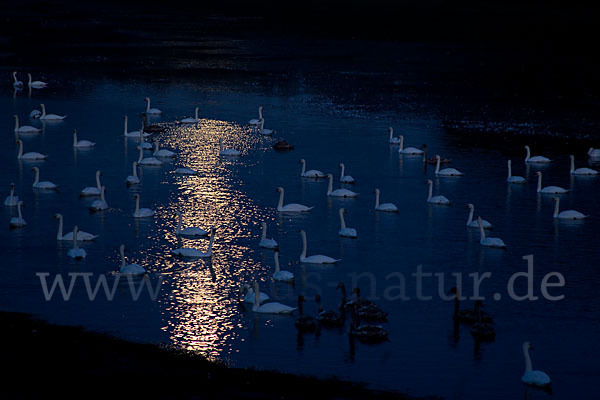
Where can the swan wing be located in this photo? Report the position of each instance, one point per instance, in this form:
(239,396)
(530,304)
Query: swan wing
(275,308)
(319,259)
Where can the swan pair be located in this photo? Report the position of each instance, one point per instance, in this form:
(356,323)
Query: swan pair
(18,221)
(548,189)
(133,179)
(190,231)
(338,192)
(264,241)
(344,231)
(76,252)
(345,178)
(269,308)
(129,269)
(25,128)
(192,120)
(44,185)
(141,212)
(386,207)
(81,235)
(30,156)
(151,111)
(101,204)
(489,241)
(311,173)
(81,144)
(11,200)
(436,199)
(580,171)
(281,275)
(227,152)
(91,190)
(514,178)
(475,224)
(292,207)
(189,252)
(316,259)
(445,171)
(568,214)
(50,117)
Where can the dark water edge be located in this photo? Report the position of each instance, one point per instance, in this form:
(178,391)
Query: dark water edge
(72,361)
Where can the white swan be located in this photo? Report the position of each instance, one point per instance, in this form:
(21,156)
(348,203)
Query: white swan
(24,128)
(292,207)
(531,377)
(99,205)
(581,171)
(264,242)
(445,171)
(143,144)
(475,224)
(392,139)
(133,133)
(312,173)
(76,252)
(408,150)
(141,212)
(388,207)
(489,242)
(345,178)
(83,236)
(16,83)
(264,131)
(269,308)
(255,122)
(11,200)
(129,269)
(47,185)
(513,178)
(186,171)
(569,214)
(190,231)
(36,84)
(227,152)
(32,155)
(162,152)
(594,153)
(338,192)
(148,160)
(17,221)
(133,179)
(249,297)
(151,111)
(81,144)
(91,190)
(535,159)
(436,199)
(344,231)
(195,253)
(316,259)
(50,117)
(548,189)
(279,275)
(191,120)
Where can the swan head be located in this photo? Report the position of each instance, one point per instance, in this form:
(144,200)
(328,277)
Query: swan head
(391,129)
(302,161)
(136,196)
(340,285)
(343,210)
(555,199)
(429,182)
(341,165)
(35,169)
(16,116)
(527,346)
(58,216)
(437,157)
(526,147)
(454,291)
(261,108)
(572,157)
(330,176)
(470,206)
(539,173)
(279,189)
(146,99)
(18,141)
(122,248)
(12,185)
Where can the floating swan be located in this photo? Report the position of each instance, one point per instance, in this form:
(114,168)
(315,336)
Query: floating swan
(44,184)
(264,242)
(141,212)
(129,269)
(195,253)
(481,330)
(76,252)
(83,236)
(143,144)
(475,224)
(50,117)
(148,160)
(393,140)
(133,179)
(594,153)
(99,205)
(388,207)
(312,173)
(81,144)
(249,296)
(18,221)
(162,152)
(264,131)
(292,207)
(32,155)
(16,83)
(466,315)
(533,377)
(548,189)
(254,121)
(192,120)
(345,232)
(445,171)
(11,200)
(535,159)
(36,84)
(408,150)
(190,231)
(569,214)
(24,128)
(581,171)
(186,171)
(338,192)
(227,152)
(133,133)
(91,190)
(436,199)
(329,318)
(269,308)
(317,259)
(345,178)
(489,242)
(366,333)
(279,275)
(513,178)
(151,111)
(304,323)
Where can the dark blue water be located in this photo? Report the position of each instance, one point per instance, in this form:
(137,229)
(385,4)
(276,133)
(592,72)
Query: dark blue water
(197,307)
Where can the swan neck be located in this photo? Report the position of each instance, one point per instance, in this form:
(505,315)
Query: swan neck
(196,113)
(471,212)
(528,366)
(280,205)
(137,204)
(456,304)
(330,187)
(556,207)
(276,262)
(122,252)
(572,164)
(528,153)
(59,235)
(303,167)
(125,128)
(343,170)
(37,176)
(303,255)
(377,199)
(74,138)
(342,221)
(147,105)
(210,243)
(141,155)
(16,122)
(481,230)
(20,149)
(102,194)
(256,298)
(539,186)
(401,142)
(430,191)
(178,229)
(437,165)
(98,185)
(43,110)
(134,169)
(264,231)
(509,169)
(19,210)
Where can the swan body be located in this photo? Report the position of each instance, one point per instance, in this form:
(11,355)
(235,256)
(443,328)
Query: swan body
(250,297)
(279,275)
(488,241)
(50,117)
(387,207)
(47,185)
(328,318)
(91,190)
(292,207)
(533,377)
(141,212)
(190,231)
(16,83)
(195,253)
(99,205)
(192,120)
(264,131)
(548,189)
(25,128)
(513,178)
(81,144)
(569,214)
(345,178)
(475,224)
(267,243)
(152,161)
(18,221)
(344,231)
(269,308)
(445,171)
(227,152)
(408,150)
(316,259)
(581,171)
(162,152)
(83,236)
(594,153)
(129,269)
(436,199)
(338,192)
(35,84)
(76,252)
(254,121)
(151,111)
(143,144)
(311,173)
(535,159)
(133,179)
(11,200)
(304,323)
(32,155)
(133,133)
(186,171)
(392,139)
